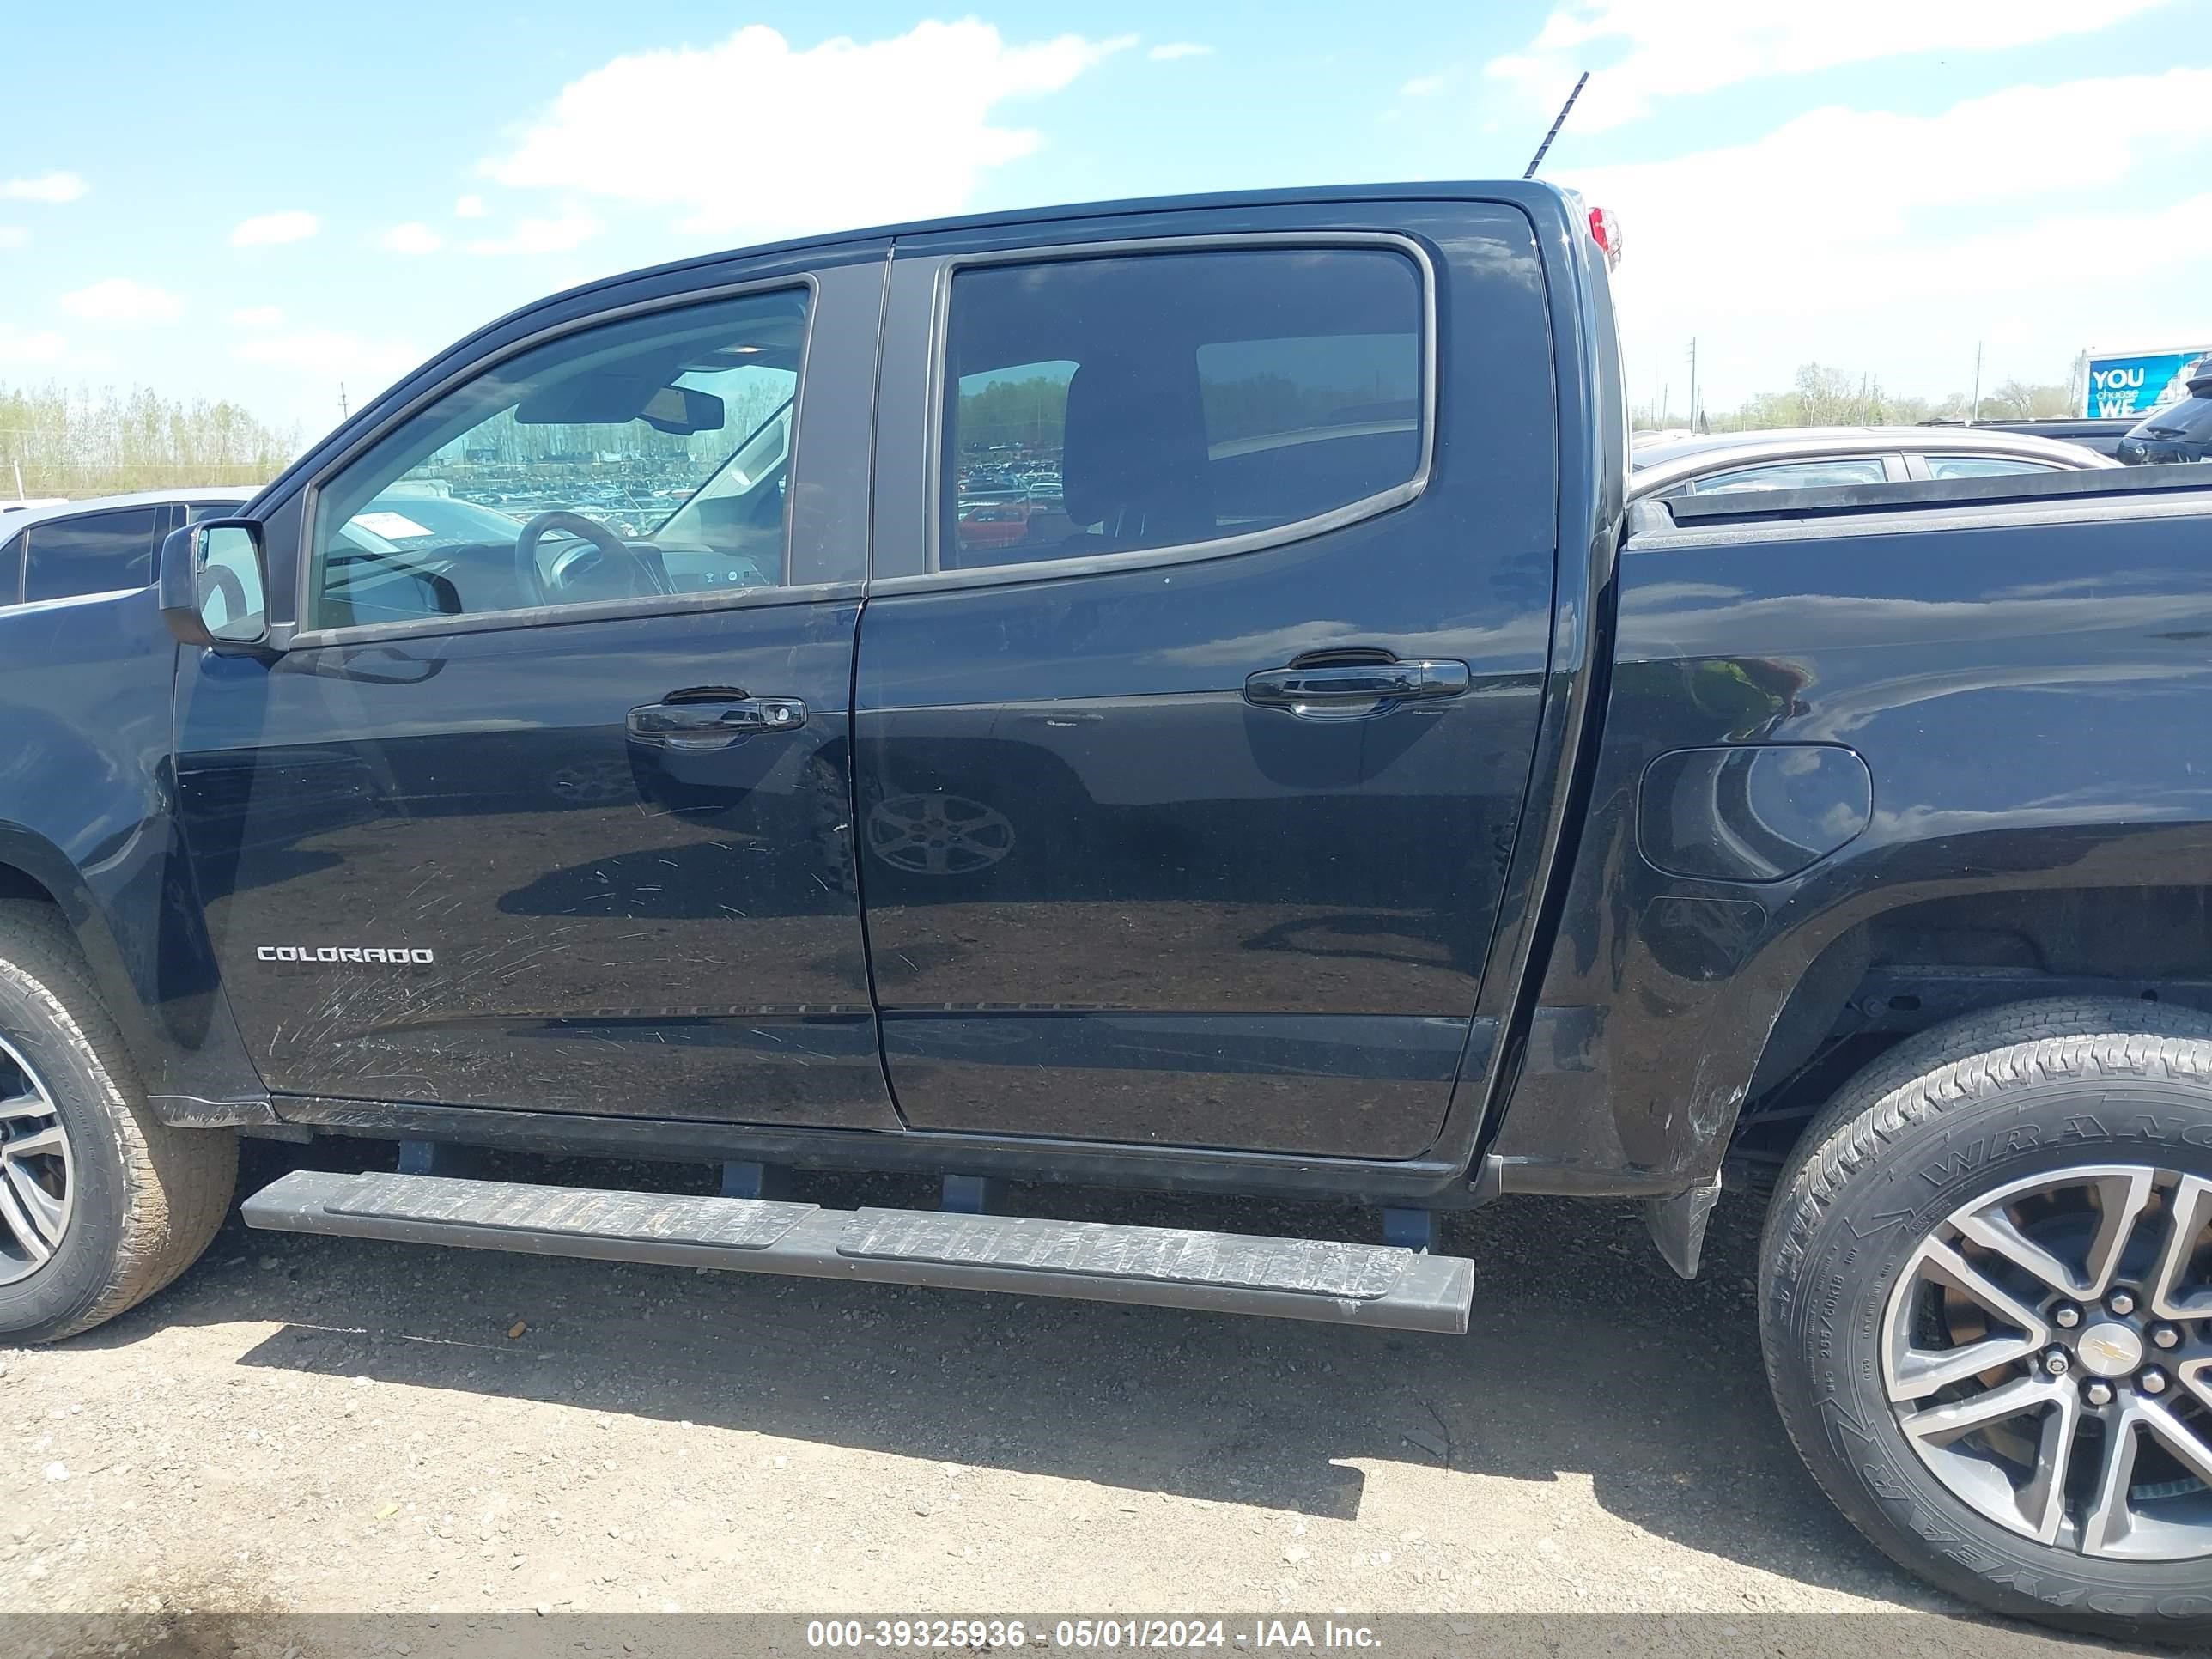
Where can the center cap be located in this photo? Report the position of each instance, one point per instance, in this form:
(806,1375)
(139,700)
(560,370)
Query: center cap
(2108,1349)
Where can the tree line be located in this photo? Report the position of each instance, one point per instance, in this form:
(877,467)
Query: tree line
(78,442)
(1821,396)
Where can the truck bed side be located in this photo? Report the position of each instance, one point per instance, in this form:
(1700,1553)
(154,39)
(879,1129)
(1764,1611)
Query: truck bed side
(2027,682)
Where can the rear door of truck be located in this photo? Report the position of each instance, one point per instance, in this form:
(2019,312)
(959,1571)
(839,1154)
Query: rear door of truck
(1200,676)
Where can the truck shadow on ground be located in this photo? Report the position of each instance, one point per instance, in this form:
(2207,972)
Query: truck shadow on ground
(1587,1357)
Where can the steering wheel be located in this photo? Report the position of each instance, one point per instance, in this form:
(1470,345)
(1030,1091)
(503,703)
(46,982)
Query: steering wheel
(649,576)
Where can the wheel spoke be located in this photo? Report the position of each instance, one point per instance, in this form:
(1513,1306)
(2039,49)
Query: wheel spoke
(1940,1261)
(1918,1372)
(47,1214)
(2106,1521)
(48,1142)
(21,1226)
(2197,1377)
(2043,1500)
(2188,1214)
(25,1105)
(2189,1448)
(2122,1197)
(1947,1422)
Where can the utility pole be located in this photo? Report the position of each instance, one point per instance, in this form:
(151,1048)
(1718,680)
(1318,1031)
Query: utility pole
(1693,383)
(1977,413)
(345,411)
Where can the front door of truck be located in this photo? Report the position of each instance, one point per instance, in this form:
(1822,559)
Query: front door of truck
(1199,681)
(544,806)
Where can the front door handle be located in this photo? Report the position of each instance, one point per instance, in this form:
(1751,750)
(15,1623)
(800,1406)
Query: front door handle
(1351,690)
(714,722)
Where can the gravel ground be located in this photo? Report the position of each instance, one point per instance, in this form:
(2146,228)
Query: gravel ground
(313,1426)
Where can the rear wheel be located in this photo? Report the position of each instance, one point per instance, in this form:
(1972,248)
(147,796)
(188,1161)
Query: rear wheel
(1987,1307)
(100,1204)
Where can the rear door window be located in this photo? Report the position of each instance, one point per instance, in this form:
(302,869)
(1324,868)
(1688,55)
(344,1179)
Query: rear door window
(11,570)
(1795,474)
(1143,401)
(94,553)
(1982,466)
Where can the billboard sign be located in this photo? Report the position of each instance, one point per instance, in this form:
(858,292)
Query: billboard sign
(2131,384)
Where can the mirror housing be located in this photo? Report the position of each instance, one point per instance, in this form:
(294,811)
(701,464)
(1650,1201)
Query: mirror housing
(214,585)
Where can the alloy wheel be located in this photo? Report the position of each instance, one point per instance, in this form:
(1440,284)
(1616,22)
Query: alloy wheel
(2048,1354)
(37,1185)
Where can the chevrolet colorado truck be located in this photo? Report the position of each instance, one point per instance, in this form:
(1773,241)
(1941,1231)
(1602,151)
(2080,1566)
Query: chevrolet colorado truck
(1168,696)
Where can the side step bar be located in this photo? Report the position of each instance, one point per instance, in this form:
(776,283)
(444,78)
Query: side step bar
(1377,1285)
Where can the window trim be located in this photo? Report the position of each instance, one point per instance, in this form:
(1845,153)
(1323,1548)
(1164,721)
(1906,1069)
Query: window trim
(541,615)
(934,577)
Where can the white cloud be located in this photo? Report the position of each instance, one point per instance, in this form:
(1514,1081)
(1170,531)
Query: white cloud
(555,235)
(258,317)
(21,346)
(120,300)
(14,236)
(889,129)
(1422,86)
(1168,50)
(366,365)
(46,187)
(1832,237)
(469,207)
(271,229)
(1642,50)
(413,237)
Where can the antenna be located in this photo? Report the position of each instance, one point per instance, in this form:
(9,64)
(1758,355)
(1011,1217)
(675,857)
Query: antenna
(1557,121)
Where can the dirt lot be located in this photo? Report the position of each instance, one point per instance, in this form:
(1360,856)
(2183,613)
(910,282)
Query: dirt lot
(305,1427)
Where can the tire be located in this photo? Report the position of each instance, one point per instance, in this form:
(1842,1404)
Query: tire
(2017,1097)
(144,1199)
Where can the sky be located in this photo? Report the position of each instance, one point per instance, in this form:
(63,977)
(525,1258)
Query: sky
(270,202)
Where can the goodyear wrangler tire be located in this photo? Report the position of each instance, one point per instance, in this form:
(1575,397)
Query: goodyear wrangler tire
(1986,1303)
(100,1204)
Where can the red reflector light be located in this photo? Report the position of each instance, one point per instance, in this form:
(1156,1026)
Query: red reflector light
(1606,233)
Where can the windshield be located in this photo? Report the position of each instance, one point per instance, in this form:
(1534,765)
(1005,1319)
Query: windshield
(2191,419)
(753,474)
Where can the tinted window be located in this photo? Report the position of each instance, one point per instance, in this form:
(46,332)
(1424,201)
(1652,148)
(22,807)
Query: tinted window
(2191,419)
(1795,474)
(195,511)
(1111,405)
(666,436)
(97,553)
(11,570)
(1982,466)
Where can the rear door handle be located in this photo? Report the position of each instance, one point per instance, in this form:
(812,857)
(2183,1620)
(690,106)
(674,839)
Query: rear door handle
(1349,690)
(712,722)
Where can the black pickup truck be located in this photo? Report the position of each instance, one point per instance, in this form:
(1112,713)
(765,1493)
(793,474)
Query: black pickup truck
(1167,695)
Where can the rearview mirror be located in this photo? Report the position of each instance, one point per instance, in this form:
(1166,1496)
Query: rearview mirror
(610,400)
(214,584)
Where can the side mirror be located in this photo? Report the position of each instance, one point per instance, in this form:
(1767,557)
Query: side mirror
(214,584)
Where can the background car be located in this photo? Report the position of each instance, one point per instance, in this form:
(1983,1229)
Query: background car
(104,544)
(2179,431)
(2102,435)
(1804,458)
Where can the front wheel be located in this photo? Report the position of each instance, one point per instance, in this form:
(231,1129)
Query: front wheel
(100,1203)
(1986,1298)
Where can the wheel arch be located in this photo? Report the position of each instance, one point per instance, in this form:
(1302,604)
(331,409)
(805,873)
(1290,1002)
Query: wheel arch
(33,870)
(1917,961)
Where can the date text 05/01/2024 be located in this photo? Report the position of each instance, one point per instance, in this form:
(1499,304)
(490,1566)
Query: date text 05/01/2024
(1110,1634)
